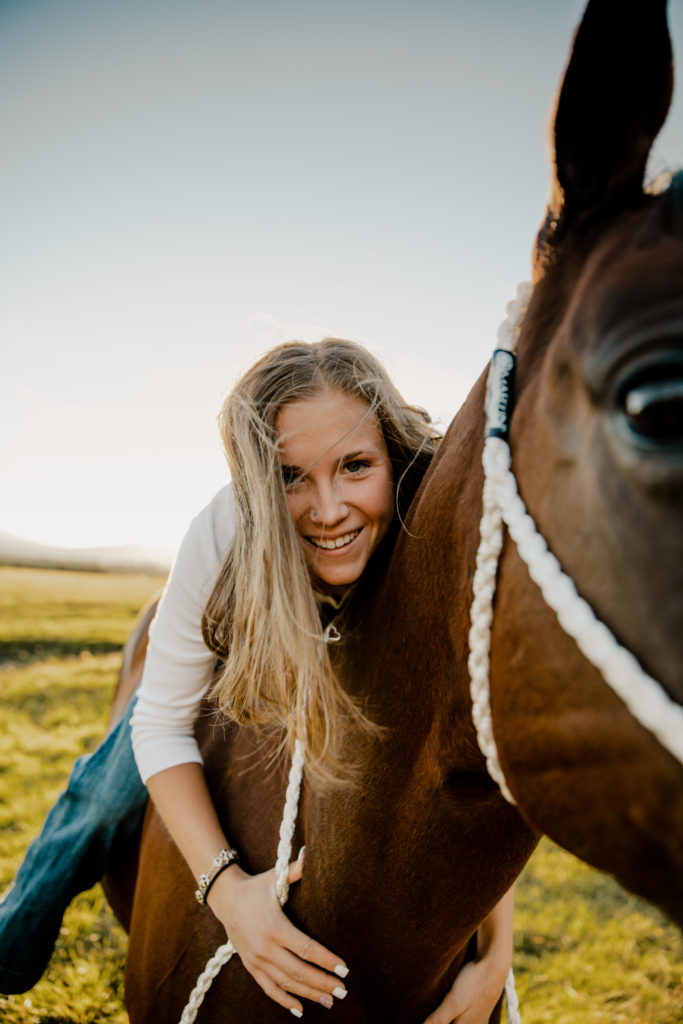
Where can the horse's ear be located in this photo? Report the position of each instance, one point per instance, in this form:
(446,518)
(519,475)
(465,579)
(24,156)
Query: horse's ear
(614,99)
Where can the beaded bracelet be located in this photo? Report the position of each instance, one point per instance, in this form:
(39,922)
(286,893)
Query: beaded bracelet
(220,862)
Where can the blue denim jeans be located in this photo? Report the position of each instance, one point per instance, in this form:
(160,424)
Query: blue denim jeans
(94,819)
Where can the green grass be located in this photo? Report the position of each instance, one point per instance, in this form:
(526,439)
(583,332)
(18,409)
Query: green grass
(51,712)
(45,612)
(56,686)
(586,951)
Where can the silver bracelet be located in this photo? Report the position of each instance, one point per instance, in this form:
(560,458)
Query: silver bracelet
(220,862)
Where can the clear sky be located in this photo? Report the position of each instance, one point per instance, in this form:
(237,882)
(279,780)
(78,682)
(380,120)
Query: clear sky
(186,182)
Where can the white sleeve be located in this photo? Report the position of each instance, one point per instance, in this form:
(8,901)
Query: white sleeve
(178,665)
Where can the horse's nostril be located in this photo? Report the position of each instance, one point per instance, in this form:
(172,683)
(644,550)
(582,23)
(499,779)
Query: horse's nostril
(655,410)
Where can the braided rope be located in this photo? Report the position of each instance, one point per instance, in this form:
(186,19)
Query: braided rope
(511,1000)
(284,853)
(484,585)
(644,697)
(222,955)
(484,582)
(288,823)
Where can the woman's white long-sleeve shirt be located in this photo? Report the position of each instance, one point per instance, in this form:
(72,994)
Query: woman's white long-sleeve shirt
(179,666)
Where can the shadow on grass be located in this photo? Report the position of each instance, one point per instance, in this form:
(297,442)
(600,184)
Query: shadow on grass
(22,652)
(57,1020)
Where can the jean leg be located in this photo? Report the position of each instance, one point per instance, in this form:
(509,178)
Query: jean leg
(96,816)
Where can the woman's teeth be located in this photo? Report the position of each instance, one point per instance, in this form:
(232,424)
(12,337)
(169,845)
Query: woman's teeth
(330,545)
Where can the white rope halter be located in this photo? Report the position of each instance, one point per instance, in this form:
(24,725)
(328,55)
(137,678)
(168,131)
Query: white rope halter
(645,698)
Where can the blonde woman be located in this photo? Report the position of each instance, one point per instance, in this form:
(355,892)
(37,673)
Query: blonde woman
(324,457)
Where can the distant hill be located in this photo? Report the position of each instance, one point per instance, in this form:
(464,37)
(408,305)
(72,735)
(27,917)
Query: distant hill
(121,558)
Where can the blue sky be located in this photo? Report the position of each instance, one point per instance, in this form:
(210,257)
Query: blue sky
(186,183)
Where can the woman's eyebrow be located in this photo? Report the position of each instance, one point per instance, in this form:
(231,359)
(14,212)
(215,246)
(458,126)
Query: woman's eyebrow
(362,453)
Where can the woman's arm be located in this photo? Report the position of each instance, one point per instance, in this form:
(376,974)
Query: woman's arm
(478,986)
(178,671)
(280,958)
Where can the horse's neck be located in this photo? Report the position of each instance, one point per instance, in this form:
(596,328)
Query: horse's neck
(416,612)
(421,782)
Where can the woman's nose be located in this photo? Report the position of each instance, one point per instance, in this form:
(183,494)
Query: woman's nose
(328,506)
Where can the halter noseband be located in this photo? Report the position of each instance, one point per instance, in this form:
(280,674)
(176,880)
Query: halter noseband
(645,698)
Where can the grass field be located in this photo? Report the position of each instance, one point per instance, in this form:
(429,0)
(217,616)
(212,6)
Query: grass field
(586,952)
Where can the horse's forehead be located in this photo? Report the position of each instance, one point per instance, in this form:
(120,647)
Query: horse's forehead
(632,279)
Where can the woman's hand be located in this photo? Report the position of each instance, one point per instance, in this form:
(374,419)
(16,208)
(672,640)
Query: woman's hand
(480,983)
(281,959)
(472,997)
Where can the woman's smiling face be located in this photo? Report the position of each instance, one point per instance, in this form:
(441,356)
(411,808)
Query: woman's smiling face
(339,484)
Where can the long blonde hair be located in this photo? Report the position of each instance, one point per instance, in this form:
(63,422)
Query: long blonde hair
(262,618)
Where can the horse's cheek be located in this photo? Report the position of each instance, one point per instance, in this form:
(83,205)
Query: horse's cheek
(571,750)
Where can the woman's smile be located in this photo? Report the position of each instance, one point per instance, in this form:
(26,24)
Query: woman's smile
(339,483)
(333,545)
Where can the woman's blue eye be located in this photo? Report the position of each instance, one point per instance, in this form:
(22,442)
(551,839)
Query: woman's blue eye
(355,465)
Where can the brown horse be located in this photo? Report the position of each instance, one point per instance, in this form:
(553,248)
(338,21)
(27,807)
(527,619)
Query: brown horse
(402,868)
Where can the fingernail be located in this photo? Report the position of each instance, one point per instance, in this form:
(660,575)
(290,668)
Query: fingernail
(302,851)
(295,1012)
(341,971)
(339,992)
(327,1002)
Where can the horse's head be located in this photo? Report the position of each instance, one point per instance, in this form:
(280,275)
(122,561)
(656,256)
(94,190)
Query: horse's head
(607,321)
(597,448)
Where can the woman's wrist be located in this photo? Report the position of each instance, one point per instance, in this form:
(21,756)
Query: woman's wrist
(226,856)
(221,892)
(495,941)
(494,946)
(495,951)
(496,965)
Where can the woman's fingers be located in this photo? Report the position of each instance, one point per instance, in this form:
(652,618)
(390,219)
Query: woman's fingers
(271,948)
(297,979)
(303,947)
(472,996)
(279,995)
(301,977)
(299,966)
(331,990)
(291,960)
(311,952)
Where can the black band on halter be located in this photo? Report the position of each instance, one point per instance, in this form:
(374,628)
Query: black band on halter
(499,393)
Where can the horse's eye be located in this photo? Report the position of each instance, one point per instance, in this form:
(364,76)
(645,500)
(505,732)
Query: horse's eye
(654,410)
